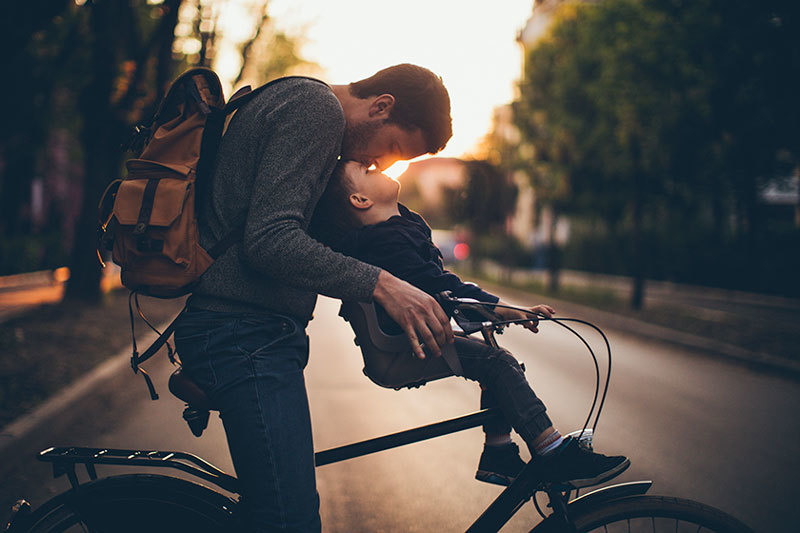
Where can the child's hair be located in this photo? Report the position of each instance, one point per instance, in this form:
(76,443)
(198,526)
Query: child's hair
(334,216)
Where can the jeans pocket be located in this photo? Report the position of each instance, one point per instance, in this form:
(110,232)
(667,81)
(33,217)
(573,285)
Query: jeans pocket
(193,353)
(255,335)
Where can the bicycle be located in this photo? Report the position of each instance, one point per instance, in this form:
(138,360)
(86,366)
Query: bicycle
(155,502)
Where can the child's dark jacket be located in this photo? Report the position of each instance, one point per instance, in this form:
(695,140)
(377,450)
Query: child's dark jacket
(402,246)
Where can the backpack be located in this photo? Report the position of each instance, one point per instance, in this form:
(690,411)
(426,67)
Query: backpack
(148,220)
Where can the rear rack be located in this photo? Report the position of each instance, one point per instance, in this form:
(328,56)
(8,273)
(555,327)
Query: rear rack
(64,460)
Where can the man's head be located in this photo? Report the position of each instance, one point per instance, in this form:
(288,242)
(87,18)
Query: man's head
(399,113)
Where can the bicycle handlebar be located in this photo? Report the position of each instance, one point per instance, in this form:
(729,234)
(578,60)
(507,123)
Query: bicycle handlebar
(495,324)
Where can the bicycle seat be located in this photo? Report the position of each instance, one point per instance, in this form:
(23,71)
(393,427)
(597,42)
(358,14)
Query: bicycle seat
(388,359)
(182,387)
(197,403)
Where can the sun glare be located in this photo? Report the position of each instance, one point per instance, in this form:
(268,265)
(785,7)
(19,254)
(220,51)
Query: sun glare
(397,169)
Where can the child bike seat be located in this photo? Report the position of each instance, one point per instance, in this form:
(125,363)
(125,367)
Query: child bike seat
(388,359)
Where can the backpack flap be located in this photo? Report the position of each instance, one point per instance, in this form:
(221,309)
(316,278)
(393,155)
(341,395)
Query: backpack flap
(150,202)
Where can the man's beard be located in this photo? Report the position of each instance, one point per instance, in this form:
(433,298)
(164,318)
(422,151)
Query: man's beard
(357,136)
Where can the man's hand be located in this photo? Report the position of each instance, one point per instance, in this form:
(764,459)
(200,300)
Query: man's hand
(420,316)
(533,322)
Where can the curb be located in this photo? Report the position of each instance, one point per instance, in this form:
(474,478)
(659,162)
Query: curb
(70,394)
(645,329)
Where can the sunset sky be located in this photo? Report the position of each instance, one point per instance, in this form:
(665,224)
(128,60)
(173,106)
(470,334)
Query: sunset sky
(471,44)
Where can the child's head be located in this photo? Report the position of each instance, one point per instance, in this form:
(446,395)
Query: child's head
(356,196)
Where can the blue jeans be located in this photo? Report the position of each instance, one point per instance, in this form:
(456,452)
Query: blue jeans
(251,367)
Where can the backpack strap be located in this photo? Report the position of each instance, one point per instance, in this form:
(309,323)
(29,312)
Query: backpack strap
(137,359)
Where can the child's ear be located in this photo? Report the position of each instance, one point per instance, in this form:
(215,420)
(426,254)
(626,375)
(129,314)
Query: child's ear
(359,201)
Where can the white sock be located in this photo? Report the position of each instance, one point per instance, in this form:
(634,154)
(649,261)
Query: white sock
(549,444)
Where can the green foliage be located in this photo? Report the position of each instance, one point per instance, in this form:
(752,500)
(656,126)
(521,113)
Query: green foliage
(485,201)
(505,249)
(664,119)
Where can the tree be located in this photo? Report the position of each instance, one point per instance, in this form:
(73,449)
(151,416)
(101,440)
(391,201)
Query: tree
(84,72)
(24,124)
(122,64)
(483,205)
(645,112)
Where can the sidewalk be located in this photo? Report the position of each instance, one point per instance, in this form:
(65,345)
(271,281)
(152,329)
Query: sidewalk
(21,292)
(656,292)
(710,300)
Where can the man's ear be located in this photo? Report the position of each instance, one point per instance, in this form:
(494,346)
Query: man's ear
(381,106)
(360,201)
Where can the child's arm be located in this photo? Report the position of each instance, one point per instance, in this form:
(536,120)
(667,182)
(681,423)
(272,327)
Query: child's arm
(533,323)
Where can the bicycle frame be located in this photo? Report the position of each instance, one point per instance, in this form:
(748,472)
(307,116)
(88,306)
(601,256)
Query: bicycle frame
(493,518)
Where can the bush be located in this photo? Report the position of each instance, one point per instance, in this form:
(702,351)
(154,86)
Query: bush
(27,253)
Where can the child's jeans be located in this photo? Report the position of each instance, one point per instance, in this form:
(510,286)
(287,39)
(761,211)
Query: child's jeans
(505,387)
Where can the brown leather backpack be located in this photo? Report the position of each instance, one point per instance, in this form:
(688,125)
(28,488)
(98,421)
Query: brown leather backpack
(149,219)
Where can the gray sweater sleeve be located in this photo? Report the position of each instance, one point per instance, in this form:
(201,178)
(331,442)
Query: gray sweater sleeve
(298,144)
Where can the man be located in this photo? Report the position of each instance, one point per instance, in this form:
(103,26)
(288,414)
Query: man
(243,338)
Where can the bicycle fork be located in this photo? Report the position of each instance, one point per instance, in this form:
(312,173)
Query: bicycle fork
(514,496)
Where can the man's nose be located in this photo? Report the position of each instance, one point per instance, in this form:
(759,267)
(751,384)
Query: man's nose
(382,163)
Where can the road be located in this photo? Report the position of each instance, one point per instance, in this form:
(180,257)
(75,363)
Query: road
(701,427)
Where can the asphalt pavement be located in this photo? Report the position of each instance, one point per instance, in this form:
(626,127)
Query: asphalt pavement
(700,426)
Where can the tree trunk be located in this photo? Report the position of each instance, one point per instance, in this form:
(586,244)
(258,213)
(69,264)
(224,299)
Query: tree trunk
(638,266)
(637,259)
(553,254)
(101,141)
(16,188)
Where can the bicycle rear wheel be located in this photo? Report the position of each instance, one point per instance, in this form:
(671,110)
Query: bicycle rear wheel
(133,503)
(656,514)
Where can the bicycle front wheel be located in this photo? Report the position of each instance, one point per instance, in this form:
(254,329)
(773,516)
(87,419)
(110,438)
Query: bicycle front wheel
(656,514)
(133,503)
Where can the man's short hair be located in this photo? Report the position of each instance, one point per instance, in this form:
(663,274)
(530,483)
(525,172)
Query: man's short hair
(334,216)
(421,101)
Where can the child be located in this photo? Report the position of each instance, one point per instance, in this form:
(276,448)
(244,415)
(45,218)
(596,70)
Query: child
(359,215)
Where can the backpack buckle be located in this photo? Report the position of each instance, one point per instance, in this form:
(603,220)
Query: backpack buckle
(146,244)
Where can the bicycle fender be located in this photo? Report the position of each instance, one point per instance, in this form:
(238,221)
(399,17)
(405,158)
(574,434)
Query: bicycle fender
(612,492)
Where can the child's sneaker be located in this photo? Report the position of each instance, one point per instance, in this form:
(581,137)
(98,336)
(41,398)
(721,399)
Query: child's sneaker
(499,464)
(579,467)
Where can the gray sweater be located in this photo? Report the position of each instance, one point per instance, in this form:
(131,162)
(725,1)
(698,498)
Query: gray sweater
(274,162)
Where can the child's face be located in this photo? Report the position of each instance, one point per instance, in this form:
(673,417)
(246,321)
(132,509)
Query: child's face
(373,184)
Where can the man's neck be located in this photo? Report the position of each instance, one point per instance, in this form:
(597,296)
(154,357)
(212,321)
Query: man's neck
(347,100)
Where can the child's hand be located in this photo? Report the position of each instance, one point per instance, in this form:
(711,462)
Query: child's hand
(533,323)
